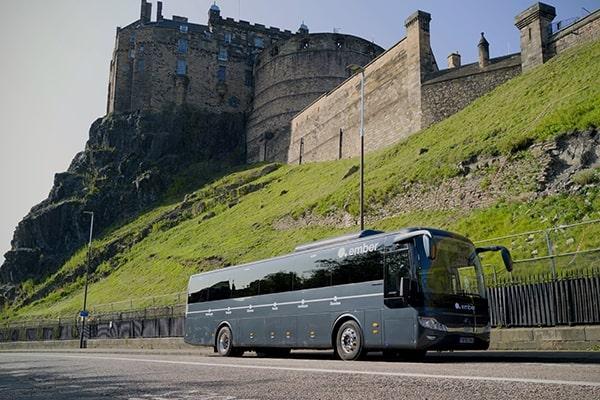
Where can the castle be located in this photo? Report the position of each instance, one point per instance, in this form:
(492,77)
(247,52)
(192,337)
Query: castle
(295,90)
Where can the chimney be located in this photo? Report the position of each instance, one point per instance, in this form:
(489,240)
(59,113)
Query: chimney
(145,11)
(454,60)
(159,16)
(484,52)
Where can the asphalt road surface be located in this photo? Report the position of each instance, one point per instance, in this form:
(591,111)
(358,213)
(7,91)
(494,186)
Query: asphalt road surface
(307,375)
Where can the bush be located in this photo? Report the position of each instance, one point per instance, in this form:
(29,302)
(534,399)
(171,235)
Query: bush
(587,176)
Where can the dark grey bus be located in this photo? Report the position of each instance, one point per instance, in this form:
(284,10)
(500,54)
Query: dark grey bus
(402,293)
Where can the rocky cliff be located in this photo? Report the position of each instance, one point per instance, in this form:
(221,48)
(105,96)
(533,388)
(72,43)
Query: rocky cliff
(131,161)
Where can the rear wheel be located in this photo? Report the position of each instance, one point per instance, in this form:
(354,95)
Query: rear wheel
(349,343)
(225,346)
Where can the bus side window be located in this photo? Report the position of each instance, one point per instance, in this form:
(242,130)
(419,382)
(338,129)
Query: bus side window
(359,268)
(397,266)
(219,291)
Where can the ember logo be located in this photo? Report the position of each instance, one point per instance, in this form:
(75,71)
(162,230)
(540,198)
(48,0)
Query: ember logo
(464,307)
(363,249)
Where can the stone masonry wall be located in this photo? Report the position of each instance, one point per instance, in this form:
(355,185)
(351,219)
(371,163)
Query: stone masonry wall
(386,93)
(445,96)
(585,30)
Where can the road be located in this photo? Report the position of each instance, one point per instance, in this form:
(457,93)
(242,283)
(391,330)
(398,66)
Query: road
(306,375)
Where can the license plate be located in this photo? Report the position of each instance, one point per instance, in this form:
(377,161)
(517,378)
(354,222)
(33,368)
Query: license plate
(467,340)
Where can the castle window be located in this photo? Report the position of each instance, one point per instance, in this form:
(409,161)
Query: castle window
(132,53)
(221,73)
(207,35)
(274,50)
(250,60)
(140,65)
(228,37)
(304,44)
(223,54)
(181,67)
(183,28)
(339,43)
(182,45)
(132,38)
(249,81)
(259,43)
(234,102)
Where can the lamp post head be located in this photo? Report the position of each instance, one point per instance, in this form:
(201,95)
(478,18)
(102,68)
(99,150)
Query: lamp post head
(355,68)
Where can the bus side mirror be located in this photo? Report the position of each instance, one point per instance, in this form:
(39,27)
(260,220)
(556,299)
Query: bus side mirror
(503,252)
(430,247)
(508,263)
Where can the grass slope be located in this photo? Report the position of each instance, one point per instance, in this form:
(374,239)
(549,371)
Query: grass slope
(234,219)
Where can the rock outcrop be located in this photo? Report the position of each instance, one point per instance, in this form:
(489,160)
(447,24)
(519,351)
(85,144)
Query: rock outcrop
(130,162)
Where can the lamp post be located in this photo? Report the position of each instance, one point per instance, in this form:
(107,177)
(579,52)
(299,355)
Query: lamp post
(354,68)
(87,271)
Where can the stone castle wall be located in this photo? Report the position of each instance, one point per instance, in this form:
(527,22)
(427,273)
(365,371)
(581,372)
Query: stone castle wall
(328,129)
(291,75)
(406,93)
(453,89)
(585,30)
(173,62)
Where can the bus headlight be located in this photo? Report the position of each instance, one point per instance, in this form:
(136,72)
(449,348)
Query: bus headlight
(432,323)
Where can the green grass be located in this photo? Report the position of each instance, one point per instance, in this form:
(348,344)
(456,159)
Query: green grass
(234,219)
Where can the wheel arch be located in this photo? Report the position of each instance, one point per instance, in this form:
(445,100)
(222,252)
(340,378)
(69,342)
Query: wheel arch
(339,321)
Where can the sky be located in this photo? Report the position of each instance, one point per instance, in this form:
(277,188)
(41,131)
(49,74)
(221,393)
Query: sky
(56,55)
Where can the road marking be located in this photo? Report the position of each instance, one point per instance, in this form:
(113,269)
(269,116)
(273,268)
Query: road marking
(333,371)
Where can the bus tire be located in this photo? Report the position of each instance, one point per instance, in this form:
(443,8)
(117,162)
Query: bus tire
(225,343)
(349,342)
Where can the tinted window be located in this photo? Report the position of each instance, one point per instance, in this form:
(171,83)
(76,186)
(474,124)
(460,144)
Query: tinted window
(353,263)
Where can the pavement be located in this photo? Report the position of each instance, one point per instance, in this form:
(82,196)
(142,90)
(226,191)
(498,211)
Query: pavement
(137,375)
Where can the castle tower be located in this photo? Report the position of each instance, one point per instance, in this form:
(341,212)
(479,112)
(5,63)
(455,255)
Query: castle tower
(534,26)
(484,52)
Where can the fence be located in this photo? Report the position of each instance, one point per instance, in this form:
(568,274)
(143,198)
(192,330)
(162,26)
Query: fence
(558,252)
(153,322)
(568,301)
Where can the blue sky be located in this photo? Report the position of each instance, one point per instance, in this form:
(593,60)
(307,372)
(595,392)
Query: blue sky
(56,54)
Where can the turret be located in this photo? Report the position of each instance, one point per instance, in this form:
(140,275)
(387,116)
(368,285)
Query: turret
(303,30)
(484,52)
(214,13)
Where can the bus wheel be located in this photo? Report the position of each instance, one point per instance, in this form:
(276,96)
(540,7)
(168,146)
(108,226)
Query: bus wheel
(225,344)
(349,344)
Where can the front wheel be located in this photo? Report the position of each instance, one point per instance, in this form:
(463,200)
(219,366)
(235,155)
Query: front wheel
(225,344)
(349,343)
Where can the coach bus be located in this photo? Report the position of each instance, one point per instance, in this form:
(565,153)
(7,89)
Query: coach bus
(402,293)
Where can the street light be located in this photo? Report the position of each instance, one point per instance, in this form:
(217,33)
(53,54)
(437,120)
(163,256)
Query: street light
(354,68)
(87,271)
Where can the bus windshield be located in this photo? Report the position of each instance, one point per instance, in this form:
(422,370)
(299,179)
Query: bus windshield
(454,271)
